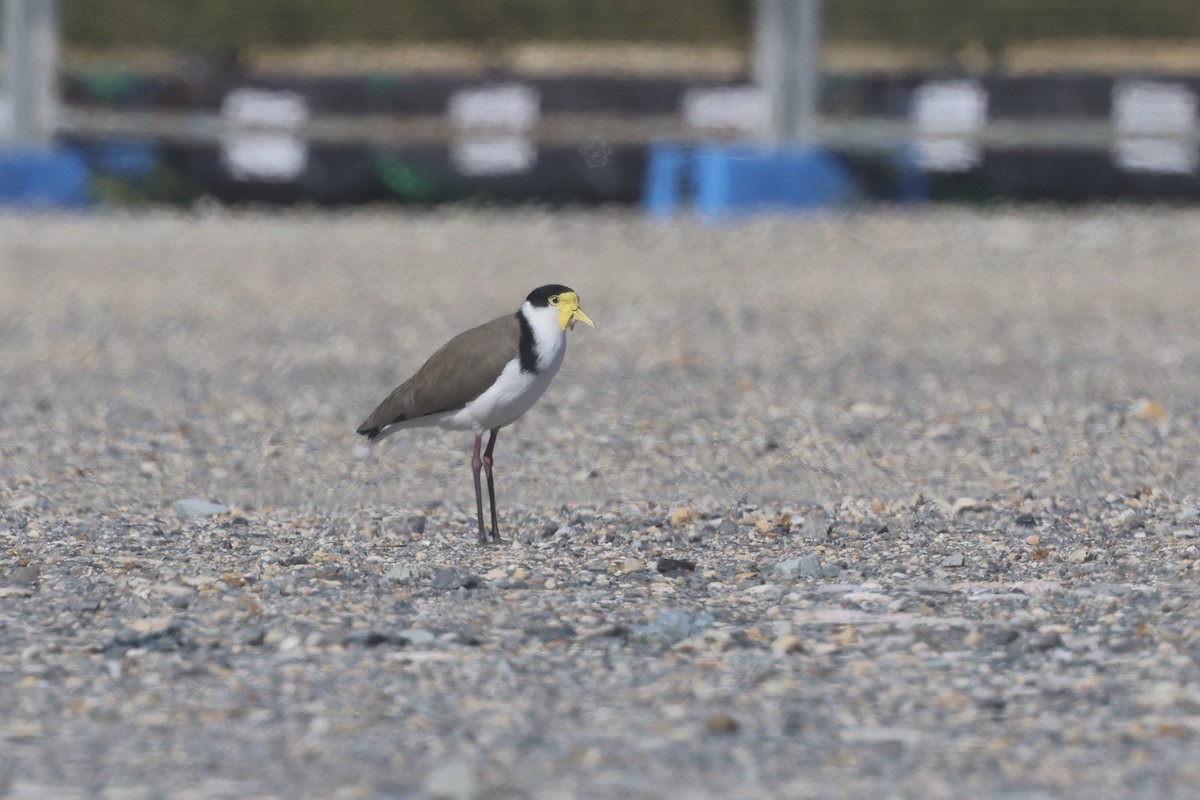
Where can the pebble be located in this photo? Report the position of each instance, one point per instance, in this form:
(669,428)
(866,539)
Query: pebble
(788,643)
(675,566)
(1048,641)
(180,597)
(22,576)
(454,578)
(722,724)
(401,573)
(454,779)
(680,516)
(193,508)
(807,566)
(1079,555)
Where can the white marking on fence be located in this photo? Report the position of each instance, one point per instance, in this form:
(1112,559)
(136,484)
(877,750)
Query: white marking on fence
(949,117)
(262,140)
(492,122)
(742,110)
(494,155)
(1156,127)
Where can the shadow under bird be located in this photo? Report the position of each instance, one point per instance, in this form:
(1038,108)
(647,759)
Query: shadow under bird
(484,379)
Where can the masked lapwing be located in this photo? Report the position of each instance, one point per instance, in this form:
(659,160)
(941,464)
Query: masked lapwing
(484,379)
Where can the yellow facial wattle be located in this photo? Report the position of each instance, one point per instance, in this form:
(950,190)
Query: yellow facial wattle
(569,311)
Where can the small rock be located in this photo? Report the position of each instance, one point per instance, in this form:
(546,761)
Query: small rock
(1027,520)
(162,634)
(672,626)
(153,626)
(193,508)
(452,780)
(400,638)
(1147,409)
(680,516)
(808,566)
(417,636)
(788,643)
(1047,641)
(727,527)
(399,574)
(631,565)
(722,724)
(23,501)
(957,560)
(1185,533)
(180,597)
(964,504)
(454,578)
(770,591)
(1079,555)
(675,566)
(254,637)
(551,633)
(22,576)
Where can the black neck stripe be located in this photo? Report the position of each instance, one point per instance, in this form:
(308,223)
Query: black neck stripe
(529,359)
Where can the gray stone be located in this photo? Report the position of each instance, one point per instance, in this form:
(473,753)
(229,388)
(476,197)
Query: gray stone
(672,626)
(806,566)
(454,779)
(416,636)
(454,578)
(399,574)
(21,576)
(180,597)
(1048,641)
(193,508)
(957,560)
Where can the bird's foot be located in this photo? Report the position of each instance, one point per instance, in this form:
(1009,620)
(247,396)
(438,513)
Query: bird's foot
(484,541)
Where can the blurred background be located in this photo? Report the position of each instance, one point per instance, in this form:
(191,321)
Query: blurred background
(721,107)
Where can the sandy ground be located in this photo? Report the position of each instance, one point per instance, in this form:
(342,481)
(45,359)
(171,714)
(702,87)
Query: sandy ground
(934,476)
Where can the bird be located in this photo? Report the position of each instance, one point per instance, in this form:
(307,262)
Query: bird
(484,379)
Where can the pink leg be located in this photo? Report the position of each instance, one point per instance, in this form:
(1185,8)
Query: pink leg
(476,463)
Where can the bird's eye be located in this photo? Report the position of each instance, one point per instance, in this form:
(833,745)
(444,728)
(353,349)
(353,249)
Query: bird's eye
(554,300)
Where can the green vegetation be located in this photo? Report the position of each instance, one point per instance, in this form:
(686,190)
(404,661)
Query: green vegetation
(214,25)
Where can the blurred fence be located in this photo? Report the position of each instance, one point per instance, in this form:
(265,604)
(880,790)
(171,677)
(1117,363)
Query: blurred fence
(564,100)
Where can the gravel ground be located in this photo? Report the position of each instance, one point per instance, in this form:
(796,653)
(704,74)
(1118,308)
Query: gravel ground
(887,505)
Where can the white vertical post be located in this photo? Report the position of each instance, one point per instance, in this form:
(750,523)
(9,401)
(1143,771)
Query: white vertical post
(770,60)
(787,64)
(31,69)
(807,69)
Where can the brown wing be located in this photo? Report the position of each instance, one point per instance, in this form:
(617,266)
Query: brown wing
(452,377)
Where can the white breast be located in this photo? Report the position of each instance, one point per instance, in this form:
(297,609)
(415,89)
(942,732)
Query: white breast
(515,392)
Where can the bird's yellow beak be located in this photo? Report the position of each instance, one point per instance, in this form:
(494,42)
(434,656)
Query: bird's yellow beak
(569,311)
